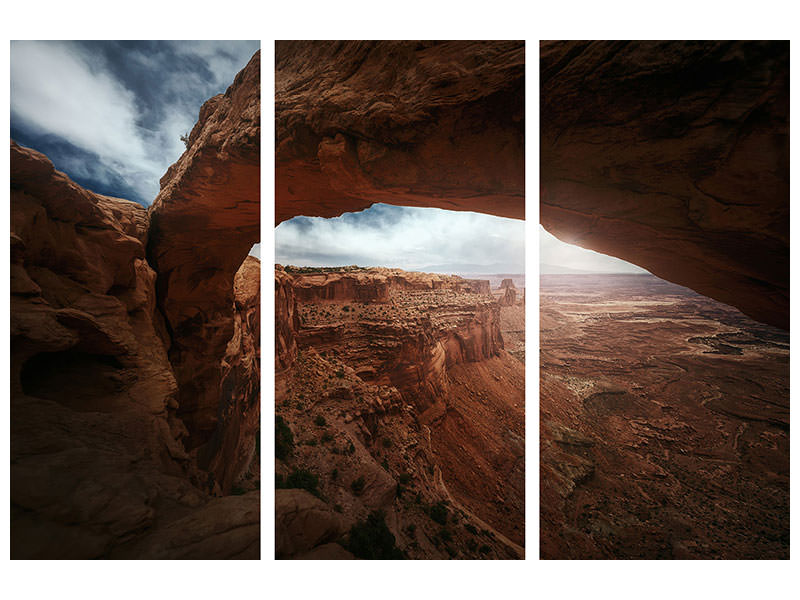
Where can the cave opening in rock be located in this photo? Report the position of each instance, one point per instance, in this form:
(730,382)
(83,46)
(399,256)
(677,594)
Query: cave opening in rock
(65,376)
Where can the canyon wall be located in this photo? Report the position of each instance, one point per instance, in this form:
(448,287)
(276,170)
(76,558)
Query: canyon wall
(111,307)
(394,393)
(411,123)
(209,198)
(673,156)
(398,339)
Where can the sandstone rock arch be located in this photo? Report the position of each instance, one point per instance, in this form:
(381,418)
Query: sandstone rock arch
(673,156)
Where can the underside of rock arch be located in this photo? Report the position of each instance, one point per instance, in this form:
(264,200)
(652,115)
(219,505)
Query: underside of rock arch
(673,156)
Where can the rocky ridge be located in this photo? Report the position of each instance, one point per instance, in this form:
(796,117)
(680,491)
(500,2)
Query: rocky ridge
(102,459)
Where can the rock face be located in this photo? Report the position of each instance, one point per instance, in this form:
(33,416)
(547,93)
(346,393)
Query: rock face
(678,449)
(409,123)
(209,197)
(399,397)
(673,156)
(402,329)
(232,449)
(102,462)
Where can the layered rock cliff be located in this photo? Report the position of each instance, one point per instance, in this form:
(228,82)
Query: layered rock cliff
(102,460)
(411,123)
(393,373)
(673,156)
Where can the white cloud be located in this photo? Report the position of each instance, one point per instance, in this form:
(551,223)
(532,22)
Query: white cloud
(556,256)
(67,91)
(408,238)
(60,90)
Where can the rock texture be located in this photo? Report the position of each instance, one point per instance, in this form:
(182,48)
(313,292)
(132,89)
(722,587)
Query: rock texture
(402,329)
(231,452)
(673,156)
(102,464)
(209,197)
(410,123)
(678,449)
(399,397)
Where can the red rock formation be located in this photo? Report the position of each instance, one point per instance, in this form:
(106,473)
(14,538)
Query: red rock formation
(209,197)
(286,321)
(98,449)
(409,387)
(231,450)
(411,123)
(416,325)
(673,156)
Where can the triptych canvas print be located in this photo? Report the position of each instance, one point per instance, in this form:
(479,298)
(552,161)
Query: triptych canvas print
(658,393)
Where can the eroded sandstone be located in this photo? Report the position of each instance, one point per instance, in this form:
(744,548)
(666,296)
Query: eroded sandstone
(673,156)
(411,123)
(400,398)
(102,462)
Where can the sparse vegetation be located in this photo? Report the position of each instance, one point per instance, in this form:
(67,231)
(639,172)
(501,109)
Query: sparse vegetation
(319,421)
(438,512)
(372,540)
(284,439)
(404,478)
(299,479)
(357,485)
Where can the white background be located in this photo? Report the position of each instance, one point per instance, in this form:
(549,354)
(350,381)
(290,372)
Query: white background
(329,580)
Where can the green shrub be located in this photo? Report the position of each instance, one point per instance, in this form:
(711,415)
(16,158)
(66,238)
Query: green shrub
(372,540)
(319,421)
(471,528)
(446,535)
(326,437)
(357,485)
(340,373)
(484,549)
(404,478)
(299,479)
(387,443)
(438,512)
(284,440)
(335,474)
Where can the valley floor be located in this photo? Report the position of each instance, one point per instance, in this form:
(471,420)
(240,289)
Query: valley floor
(664,424)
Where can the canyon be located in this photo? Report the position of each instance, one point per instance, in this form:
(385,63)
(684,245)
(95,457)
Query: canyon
(135,333)
(395,396)
(664,424)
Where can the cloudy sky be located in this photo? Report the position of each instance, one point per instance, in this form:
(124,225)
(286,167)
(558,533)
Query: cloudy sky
(556,256)
(110,114)
(425,239)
